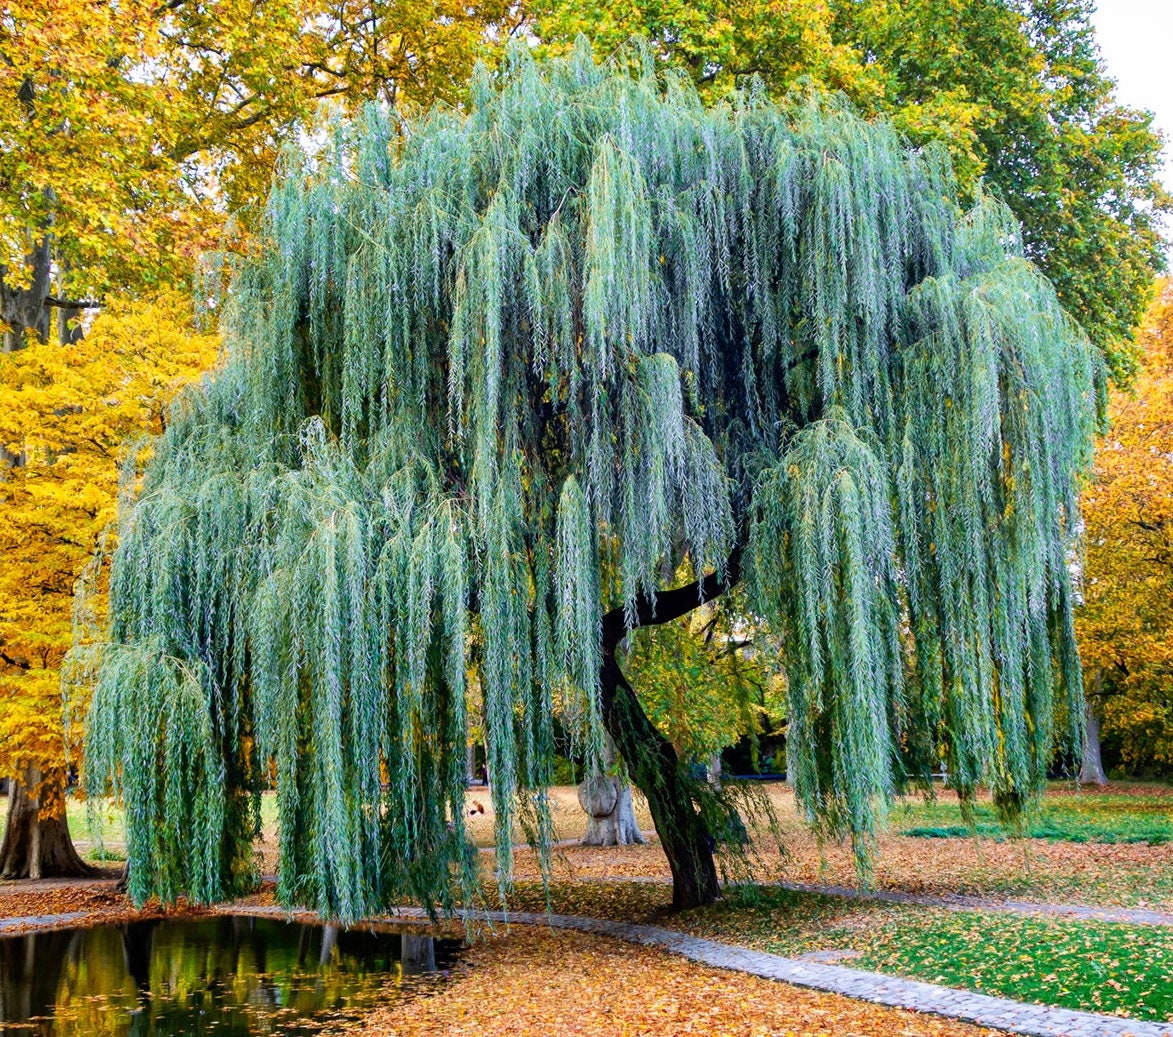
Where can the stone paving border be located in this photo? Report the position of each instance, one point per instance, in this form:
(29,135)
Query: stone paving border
(896,992)
(29,922)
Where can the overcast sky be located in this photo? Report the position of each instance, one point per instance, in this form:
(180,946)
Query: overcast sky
(1136,40)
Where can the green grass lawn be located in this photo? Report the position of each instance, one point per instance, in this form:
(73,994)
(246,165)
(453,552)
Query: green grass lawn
(1078,816)
(1091,966)
(1096,967)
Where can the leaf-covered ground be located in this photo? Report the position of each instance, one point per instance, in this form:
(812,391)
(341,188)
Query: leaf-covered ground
(1092,966)
(1133,874)
(1102,847)
(539,982)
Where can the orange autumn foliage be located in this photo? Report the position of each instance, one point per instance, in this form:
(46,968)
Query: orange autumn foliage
(1125,626)
(65,412)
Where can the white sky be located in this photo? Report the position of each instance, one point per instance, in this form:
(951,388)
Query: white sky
(1136,41)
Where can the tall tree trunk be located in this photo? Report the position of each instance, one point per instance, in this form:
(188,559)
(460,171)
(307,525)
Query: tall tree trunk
(37,847)
(657,771)
(1091,772)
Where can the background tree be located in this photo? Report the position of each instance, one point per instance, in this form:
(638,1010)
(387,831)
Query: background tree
(1013,88)
(707,680)
(520,362)
(129,130)
(1124,624)
(64,414)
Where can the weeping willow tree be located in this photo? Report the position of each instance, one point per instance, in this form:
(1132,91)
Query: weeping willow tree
(492,380)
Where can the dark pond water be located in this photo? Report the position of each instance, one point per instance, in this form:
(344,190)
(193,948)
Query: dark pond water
(231,976)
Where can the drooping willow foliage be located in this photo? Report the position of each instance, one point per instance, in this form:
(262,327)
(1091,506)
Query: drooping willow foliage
(500,371)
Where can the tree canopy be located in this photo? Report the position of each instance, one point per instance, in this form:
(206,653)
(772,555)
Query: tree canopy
(489,382)
(1013,88)
(129,131)
(64,416)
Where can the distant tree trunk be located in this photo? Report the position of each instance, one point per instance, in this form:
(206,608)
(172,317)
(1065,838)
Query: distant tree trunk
(1091,772)
(22,309)
(37,847)
(607,802)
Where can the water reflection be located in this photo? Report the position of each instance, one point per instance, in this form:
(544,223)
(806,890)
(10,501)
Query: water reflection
(233,976)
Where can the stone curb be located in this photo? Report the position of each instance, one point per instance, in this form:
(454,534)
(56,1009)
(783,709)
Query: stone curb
(32,922)
(896,992)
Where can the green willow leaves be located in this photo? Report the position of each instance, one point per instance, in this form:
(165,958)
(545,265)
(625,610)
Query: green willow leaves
(504,371)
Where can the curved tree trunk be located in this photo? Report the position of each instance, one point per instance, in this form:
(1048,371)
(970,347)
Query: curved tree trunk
(655,767)
(37,847)
(656,770)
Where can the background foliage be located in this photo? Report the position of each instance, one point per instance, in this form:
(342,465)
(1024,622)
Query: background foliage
(65,414)
(1126,622)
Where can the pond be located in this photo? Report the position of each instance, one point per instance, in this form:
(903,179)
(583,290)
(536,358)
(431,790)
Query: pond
(233,976)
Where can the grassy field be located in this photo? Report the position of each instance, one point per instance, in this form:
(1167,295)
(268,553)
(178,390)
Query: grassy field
(1141,814)
(1091,966)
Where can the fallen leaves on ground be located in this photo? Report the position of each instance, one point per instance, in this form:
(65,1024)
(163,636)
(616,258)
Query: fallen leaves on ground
(573,984)
(31,898)
(97,900)
(1106,874)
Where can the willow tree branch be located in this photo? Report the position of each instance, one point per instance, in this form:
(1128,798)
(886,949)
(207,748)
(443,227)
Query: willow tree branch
(672,604)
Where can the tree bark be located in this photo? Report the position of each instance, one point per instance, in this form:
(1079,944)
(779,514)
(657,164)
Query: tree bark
(657,771)
(1091,771)
(655,767)
(24,308)
(37,847)
(608,805)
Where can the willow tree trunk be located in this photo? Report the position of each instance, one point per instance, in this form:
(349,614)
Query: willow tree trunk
(655,767)
(657,771)
(36,846)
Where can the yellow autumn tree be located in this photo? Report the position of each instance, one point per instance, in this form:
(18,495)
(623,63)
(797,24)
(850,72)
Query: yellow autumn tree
(129,130)
(1125,626)
(66,413)
(708,679)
